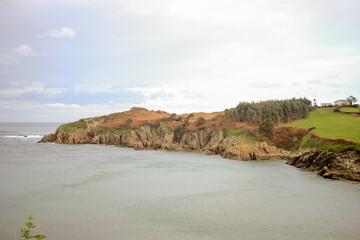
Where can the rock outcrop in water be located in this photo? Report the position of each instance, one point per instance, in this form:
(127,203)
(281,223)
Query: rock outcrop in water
(329,164)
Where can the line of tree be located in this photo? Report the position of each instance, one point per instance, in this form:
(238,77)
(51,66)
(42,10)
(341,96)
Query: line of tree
(279,111)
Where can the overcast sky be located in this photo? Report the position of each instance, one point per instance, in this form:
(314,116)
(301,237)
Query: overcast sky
(70,59)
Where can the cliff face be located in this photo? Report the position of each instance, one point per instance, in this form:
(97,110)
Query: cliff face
(207,140)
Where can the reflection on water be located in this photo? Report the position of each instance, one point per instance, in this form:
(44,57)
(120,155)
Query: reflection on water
(107,192)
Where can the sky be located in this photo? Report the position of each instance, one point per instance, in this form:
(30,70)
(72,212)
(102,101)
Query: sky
(65,60)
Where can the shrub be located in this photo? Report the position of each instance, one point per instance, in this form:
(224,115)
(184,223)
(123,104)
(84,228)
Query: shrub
(188,117)
(74,126)
(164,119)
(26,230)
(179,132)
(266,128)
(172,117)
(324,144)
(102,130)
(179,119)
(128,122)
(240,132)
(200,121)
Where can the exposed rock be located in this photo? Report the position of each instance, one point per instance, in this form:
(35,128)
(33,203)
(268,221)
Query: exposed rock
(329,164)
(207,140)
(48,138)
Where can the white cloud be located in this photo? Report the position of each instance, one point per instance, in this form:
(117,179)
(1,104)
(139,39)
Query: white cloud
(24,50)
(32,111)
(59,33)
(20,88)
(62,105)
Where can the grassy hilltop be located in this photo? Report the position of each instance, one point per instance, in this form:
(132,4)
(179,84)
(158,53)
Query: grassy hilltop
(330,124)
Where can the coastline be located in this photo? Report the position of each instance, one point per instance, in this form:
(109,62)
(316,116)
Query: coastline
(210,141)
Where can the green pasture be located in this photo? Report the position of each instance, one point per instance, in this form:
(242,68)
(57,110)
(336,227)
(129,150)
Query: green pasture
(350,109)
(333,125)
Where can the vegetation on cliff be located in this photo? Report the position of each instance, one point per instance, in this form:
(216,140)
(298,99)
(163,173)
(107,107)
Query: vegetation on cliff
(336,145)
(74,126)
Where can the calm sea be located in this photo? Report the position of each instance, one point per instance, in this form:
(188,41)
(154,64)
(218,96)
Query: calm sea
(97,192)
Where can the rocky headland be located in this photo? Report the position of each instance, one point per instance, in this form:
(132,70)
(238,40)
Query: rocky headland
(209,133)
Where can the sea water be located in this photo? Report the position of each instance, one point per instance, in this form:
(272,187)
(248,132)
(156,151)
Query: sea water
(108,192)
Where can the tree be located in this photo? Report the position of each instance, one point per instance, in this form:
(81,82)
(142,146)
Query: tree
(191,115)
(266,128)
(352,100)
(172,117)
(279,111)
(26,231)
(188,118)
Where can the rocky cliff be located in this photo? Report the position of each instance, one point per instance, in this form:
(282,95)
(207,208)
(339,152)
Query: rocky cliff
(207,140)
(329,164)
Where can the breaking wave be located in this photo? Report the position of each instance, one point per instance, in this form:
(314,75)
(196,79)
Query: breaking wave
(23,136)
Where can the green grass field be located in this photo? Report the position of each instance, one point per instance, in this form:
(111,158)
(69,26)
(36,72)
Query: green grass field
(331,125)
(350,109)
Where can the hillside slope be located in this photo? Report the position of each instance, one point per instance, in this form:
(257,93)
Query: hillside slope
(329,124)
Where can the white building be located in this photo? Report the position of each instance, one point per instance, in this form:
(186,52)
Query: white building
(326,104)
(341,102)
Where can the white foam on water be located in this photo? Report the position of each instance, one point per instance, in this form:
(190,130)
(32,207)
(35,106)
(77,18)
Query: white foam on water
(23,136)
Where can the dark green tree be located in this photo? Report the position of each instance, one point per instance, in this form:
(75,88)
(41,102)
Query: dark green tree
(172,117)
(352,99)
(279,111)
(266,128)
(179,132)
(200,121)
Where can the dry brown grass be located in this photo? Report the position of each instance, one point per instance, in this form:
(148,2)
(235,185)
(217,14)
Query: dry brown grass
(138,115)
(141,116)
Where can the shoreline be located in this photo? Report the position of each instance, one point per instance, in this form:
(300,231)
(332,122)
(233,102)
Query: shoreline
(324,162)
